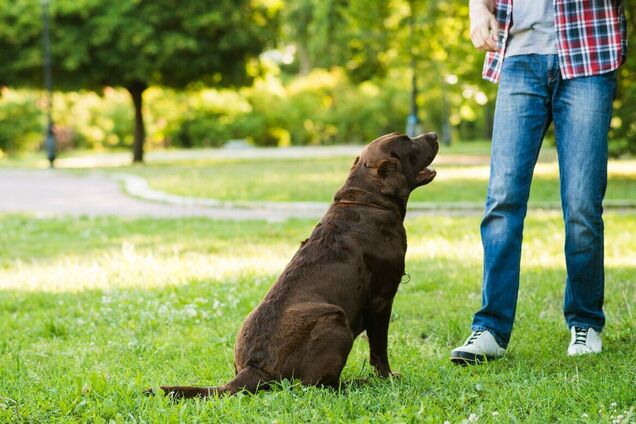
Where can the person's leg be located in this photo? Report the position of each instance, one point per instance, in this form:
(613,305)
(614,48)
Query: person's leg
(522,116)
(582,113)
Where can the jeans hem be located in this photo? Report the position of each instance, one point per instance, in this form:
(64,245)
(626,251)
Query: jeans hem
(500,341)
(584,326)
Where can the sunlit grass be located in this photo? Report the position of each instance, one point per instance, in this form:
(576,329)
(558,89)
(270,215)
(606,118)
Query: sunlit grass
(92,311)
(317,180)
(462,175)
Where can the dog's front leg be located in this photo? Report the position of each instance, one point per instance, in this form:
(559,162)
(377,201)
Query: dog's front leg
(377,326)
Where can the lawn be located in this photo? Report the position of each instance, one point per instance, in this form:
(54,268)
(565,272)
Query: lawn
(93,311)
(208,173)
(318,179)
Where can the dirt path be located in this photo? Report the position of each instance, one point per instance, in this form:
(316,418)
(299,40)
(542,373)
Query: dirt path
(54,193)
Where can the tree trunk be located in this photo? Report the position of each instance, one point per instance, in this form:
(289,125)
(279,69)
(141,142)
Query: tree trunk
(303,59)
(136,91)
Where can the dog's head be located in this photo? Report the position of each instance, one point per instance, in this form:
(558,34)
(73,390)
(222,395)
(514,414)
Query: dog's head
(398,163)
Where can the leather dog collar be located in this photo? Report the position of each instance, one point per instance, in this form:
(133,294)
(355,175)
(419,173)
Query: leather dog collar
(354,203)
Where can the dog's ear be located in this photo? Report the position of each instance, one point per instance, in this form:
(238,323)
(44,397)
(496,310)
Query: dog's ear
(386,167)
(393,181)
(355,162)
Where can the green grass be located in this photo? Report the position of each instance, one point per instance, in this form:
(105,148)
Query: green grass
(462,177)
(92,311)
(318,179)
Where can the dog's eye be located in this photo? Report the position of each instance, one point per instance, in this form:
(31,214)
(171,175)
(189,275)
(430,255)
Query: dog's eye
(396,156)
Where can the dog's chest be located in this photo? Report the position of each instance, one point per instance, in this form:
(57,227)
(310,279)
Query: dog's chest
(385,270)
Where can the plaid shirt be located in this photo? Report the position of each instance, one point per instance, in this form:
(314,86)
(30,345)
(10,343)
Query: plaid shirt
(591,37)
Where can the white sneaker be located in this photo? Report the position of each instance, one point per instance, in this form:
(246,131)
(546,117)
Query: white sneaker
(481,346)
(584,341)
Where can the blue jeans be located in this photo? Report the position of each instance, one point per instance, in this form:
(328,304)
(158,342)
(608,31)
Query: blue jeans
(531,96)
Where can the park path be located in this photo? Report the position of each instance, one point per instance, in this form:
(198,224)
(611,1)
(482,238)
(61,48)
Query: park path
(46,192)
(55,193)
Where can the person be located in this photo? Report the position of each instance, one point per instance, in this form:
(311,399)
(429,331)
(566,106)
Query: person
(555,61)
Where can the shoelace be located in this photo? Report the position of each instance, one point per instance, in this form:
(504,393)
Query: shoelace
(580,335)
(474,337)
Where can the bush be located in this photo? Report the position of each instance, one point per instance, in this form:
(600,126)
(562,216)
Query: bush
(94,121)
(22,123)
(324,108)
(204,130)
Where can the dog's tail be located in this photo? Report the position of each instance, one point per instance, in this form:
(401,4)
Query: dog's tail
(249,379)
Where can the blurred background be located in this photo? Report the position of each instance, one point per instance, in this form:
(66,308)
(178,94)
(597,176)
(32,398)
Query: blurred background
(148,75)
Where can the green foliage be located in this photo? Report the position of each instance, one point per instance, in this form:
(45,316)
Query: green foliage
(351,34)
(337,54)
(97,43)
(87,120)
(21,123)
(381,41)
(623,128)
(21,42)
(135,44)
(205,130)
(326,108)
(319,108)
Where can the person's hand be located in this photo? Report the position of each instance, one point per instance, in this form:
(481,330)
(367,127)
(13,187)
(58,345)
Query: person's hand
(484,28)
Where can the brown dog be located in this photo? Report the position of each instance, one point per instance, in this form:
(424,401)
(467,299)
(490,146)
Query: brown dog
(340,282)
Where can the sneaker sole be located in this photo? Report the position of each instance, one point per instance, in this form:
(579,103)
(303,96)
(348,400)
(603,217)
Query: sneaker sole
(467,358)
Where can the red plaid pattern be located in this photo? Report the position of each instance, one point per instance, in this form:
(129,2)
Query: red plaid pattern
(591,37)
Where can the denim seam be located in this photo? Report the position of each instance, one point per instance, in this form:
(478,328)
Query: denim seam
(584,326)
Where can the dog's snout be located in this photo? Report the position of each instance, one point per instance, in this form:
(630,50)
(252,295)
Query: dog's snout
(430,138)
(428,141)
(434,142)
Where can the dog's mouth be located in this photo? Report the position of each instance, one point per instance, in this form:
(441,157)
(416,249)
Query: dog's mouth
(425,176)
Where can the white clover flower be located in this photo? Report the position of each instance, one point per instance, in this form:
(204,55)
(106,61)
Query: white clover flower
(495,414)
(472,418)
(584,415)
(190,311)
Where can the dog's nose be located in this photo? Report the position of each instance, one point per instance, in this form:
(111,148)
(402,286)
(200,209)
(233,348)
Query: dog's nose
(431,137)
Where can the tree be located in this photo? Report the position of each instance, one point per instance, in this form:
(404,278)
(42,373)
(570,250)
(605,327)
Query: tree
(373,40)
(344,33)
(623,129)
(137,43)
